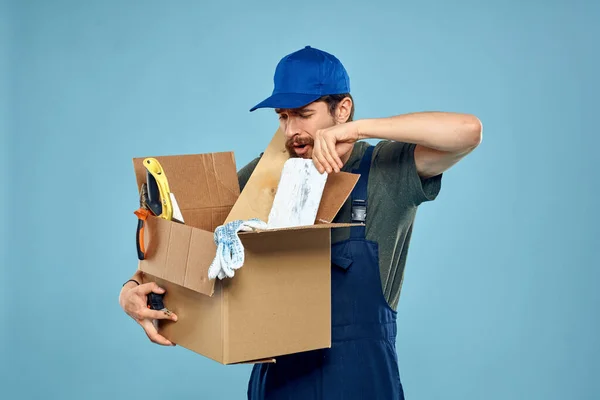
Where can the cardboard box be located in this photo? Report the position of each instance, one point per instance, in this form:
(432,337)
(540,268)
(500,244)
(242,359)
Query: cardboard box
(279,302)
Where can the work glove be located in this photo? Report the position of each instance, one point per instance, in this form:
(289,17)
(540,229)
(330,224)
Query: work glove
(230,252)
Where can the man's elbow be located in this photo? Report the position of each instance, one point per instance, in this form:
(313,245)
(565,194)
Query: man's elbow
(473,132)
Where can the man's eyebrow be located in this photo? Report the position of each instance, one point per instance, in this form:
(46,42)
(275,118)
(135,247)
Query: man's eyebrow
(295,111)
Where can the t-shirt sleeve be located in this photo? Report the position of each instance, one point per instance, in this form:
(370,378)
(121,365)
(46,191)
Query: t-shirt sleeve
(246,171)
(396,160)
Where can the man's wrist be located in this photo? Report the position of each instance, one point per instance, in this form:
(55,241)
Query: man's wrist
(363,130)
(134,281)
(129,285)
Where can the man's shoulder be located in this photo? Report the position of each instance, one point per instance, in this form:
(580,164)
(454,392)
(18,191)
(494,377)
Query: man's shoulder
(251,165)
(247,170)
(390,148)
(392,155)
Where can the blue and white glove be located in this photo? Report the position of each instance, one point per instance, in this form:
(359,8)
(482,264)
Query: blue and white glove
(230,252)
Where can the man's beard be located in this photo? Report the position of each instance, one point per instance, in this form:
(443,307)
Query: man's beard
(289,144)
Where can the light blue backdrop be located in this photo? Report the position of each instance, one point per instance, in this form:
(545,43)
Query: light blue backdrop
(500,298)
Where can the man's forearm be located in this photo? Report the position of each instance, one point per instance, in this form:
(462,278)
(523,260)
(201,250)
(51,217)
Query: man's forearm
(443,131)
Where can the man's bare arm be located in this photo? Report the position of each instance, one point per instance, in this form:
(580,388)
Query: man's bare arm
(442,138)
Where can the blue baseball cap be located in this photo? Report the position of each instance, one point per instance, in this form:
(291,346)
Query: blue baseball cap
(303,77)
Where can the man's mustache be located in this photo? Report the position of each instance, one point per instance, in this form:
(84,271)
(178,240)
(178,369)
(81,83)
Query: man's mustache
(300,141)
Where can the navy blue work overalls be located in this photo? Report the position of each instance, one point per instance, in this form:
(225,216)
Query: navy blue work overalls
(362,362)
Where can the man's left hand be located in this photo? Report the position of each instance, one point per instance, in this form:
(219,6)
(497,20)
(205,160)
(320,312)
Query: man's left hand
(332,144)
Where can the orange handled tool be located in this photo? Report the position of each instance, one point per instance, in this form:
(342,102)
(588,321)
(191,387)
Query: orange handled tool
(142,213)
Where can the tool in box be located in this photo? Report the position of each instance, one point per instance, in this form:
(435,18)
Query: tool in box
(142,213)
(158,189)
(155,302)
(155,199)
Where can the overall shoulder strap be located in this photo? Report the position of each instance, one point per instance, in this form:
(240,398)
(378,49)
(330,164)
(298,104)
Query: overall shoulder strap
(359,194)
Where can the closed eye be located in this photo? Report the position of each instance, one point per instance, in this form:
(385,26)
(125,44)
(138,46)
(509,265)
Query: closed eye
(284,115)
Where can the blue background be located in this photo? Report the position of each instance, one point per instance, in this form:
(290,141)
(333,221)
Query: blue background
(500,297)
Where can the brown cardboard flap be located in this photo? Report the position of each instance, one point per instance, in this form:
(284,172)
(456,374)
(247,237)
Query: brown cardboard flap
(300,228)
(205,185)
(179,254)
(256,199)
(207,219)
(337,189)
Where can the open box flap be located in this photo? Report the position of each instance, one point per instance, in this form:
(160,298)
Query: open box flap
(179,254)
(205,185)
(337,189)
(258,195)
(298,228)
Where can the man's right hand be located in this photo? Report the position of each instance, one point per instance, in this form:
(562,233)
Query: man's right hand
(133,300)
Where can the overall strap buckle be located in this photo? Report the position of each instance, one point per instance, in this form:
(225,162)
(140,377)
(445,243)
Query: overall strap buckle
(359,210)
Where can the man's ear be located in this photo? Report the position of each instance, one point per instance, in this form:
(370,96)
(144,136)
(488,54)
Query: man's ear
(343,110)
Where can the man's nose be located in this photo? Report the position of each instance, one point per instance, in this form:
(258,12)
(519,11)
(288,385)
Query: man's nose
(291,127)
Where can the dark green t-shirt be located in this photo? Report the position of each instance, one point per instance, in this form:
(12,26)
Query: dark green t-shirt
(395,191)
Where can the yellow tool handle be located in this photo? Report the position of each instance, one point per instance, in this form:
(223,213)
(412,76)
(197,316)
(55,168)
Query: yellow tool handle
(154,167)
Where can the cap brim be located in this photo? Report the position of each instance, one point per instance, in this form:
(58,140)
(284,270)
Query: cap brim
(287,100)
